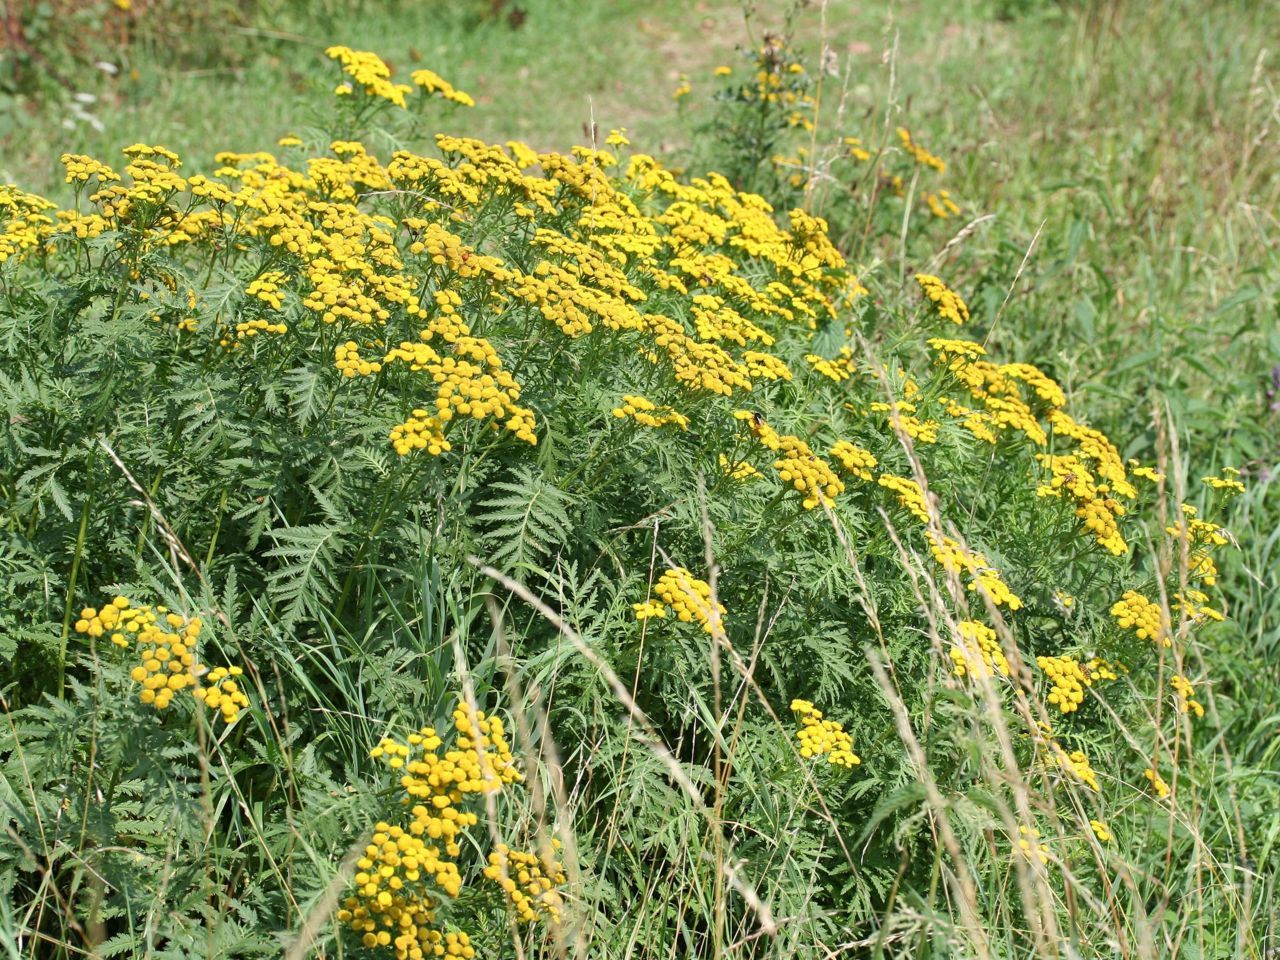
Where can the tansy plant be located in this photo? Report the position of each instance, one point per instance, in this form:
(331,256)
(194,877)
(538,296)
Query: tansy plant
(779,123)
(709,470)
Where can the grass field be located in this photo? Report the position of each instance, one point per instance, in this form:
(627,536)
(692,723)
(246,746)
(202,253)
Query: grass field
(815,632)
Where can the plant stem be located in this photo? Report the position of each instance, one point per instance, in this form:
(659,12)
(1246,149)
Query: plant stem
(71,592)
(217,528)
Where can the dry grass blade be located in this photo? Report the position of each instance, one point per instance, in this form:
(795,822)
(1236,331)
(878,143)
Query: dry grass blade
(652,739)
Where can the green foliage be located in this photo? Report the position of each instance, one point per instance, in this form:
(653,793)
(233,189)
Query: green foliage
(49,45)
(256,487)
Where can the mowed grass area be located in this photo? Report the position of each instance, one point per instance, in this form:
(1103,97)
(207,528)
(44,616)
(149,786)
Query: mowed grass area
(541,82)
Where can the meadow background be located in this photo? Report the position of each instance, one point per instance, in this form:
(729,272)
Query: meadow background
(1117,175)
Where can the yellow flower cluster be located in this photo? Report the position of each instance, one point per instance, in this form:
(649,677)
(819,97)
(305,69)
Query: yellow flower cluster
(247,329)
(647,413)
(1086,468)
(1077,764)
(1201,566)
(420,431)
(760,429)
(956,354)
(1029,844)
(1068,681)
(840,369)
(166,658)
(1099,669)
(798,467)
(985,381)
(391,906)
(979,652)
(481,762)
(1201,538)
(1157,783)
(374,275)
(220,690)
(918,153)
(347,358)
(902,414)
(470,382)
(113,618)
(742,470)
(1146,473)
(977,423)
(266,288)
(820,737)
(764,366)
(397,915)
(82,169)
(1101,831)
(910,495)
(1095,476)
(947,301)
(1135,612)
(369,71)
(810,476)
(166,651)
(855,460)
(433,84)
(27,223)
(715,321)
(1002,390)
(778,77)
(1194,605)
(1228,482)
(1092,445)
(142,151)
(1098,512)
(1186,696)
(855,149)
(529,882)
(985,580)
(1043,387)
(1069,678)
(940,204)
(686,595)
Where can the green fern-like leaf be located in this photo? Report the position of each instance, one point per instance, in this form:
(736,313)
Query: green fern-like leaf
(527,521)
(307,578)
(304,386)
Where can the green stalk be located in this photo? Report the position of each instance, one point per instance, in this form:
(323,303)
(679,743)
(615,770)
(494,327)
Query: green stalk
(355,563)
(146,519)
(217,528)
(71,595)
